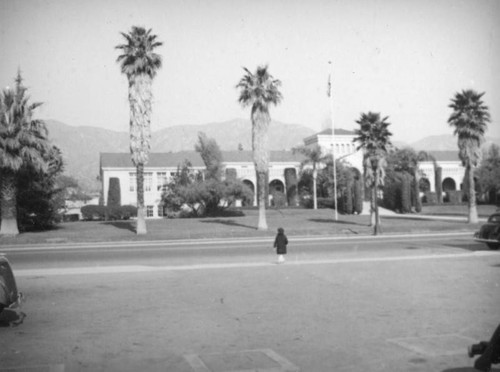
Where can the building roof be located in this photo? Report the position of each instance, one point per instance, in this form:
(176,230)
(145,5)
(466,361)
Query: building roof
(173,159)
(338,131)
(156,159)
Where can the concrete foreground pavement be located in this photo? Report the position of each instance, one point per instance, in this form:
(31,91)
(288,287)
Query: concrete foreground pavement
(358,315)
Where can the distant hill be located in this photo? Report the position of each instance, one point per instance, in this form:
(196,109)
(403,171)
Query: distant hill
(81,145)
(446,142)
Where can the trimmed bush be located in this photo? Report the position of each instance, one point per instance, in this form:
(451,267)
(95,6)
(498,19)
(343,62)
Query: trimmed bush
(278,200)
(430,198)
(114,192)
(99,212)
(454,197)
(326,203)
(93,212)
(439,185)
(358,196)
(291,182)
(406,193)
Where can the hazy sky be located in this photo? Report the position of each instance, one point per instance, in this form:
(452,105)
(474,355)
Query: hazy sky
(404,59)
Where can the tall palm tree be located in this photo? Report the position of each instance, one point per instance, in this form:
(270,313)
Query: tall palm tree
(373,137)
(469,119)
(140,64)
(259,90)
(23,141)
(314,157)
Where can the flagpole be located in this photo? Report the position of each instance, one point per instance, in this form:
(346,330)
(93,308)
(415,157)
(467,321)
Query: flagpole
(330,95)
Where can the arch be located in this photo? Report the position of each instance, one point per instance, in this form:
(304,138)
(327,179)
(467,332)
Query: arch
(251,186)
(424,184)
(277,193)
(449,184)
(276,186)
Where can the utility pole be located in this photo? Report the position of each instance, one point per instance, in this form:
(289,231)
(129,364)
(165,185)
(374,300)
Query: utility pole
(330,95)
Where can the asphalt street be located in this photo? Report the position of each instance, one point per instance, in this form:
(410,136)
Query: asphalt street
(399,303)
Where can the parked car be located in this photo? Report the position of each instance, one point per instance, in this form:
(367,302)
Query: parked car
(10,298)
(489,233)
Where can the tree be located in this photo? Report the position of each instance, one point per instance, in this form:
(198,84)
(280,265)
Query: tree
(407,160)
(314,157)
(212,156)
(202,197)
(488,174)
(39,197)
(373,137)
(140,64)
(259,90)
(23,141)
(469,119)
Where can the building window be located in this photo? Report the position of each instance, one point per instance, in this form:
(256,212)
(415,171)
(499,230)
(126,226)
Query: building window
(148,181)
(161,180)
(149,211)
(133,181)
(160,210)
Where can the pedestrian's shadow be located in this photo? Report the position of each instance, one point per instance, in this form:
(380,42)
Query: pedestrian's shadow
(229,223)
(467,369)
(125,225)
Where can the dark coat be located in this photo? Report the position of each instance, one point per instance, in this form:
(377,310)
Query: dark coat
(280,243)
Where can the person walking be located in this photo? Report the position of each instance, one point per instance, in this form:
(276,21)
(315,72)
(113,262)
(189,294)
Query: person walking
(280,243)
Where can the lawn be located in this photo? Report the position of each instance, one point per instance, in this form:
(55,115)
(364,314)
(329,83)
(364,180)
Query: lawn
(304,222)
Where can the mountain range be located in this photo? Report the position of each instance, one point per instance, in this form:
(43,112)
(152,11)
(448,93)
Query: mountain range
(82,145)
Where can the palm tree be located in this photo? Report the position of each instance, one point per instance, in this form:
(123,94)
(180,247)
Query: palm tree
(373,137)
(469,118)
(140,64)
(23,141)
(259,91)
(315,157)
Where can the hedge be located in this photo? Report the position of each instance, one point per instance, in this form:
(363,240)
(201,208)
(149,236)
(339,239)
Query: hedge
(99,212)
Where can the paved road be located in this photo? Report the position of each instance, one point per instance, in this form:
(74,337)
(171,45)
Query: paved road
(190,252)
(367,304)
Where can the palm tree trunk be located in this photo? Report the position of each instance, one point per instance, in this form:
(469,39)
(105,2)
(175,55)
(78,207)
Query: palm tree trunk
(260,124)
(418,202)
(140,98)
(315,191)
(471,203)
(141,228)
(8,205)
(261,199)
(377,228)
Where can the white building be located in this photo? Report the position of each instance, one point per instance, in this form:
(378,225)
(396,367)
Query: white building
(163,166)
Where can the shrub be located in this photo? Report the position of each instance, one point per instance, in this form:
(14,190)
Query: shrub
(93,212)
(278,199)
(326,203)
(454,197)
(430,198)
(128,211)
(358,196)
(114,192)
(291,183)
(406,193)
